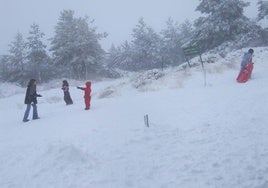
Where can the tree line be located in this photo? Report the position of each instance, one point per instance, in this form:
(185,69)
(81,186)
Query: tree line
(75,51)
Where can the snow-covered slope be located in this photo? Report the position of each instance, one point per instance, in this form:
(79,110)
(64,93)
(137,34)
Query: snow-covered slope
(199,136)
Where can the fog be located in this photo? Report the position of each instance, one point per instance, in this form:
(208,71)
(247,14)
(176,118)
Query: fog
(116,17)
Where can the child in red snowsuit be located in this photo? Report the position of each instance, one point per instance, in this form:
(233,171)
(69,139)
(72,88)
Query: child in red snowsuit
(87,96)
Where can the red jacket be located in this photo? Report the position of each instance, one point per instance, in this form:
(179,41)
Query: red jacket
(87,89)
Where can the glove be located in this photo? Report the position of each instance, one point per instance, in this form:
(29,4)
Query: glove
(39,95)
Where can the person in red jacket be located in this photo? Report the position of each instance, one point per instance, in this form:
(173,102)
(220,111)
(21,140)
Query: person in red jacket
(87,95)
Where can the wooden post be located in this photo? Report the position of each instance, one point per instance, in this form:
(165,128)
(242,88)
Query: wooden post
(204,71)
(146,120)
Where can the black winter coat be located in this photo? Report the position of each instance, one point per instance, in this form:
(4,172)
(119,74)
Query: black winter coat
(31,95)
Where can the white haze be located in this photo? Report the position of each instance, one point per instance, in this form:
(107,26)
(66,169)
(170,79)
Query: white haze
(116,17)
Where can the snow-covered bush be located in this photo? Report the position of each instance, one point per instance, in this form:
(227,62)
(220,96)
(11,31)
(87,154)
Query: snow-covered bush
(107,92)
(146,78)
(8,89)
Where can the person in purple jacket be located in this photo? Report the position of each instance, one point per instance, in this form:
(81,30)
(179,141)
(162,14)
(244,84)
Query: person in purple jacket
(67,97)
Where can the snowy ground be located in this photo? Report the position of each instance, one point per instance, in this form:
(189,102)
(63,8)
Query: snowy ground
(212,136)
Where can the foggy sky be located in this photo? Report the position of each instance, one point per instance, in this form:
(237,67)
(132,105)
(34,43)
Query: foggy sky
(116,17)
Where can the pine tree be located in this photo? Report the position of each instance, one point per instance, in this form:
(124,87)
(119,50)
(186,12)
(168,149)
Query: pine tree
(6,69)
(224,21)
(186,31)
(113,57)
(61,43)
(38,60)
(145,46)
(126,57)
(262,9)
(76,47)
(171,42)
(13,65)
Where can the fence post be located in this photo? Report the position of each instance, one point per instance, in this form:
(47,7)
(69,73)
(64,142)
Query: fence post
(146,120)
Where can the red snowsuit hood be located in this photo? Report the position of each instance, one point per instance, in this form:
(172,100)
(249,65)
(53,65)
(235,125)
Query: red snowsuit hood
(88,84)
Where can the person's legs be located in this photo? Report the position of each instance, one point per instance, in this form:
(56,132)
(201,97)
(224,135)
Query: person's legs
(69,99)
(65,99)
(35,113)
(87,103)
(26,114)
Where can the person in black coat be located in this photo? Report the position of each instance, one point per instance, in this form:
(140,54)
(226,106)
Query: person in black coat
(67,97)
(31,99)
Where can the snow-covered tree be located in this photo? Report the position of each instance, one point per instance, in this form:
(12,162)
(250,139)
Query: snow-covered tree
(64,37)
(117,58)
(121,57)
(186,31)
(76,47)
(13,65)
(18,52)
(126,57)
(145,46)
(149,49)
(262,9)
(112,57)
(224,21)
(6,68)
(38,61)
(171,43)
(141,53)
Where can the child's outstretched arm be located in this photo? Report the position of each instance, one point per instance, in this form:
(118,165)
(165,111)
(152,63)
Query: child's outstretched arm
(82,88)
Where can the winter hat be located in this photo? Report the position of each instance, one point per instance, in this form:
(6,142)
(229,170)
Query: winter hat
(88,84)
(251,51)
(65,82)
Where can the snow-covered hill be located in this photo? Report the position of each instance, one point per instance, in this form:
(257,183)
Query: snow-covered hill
(199,136)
